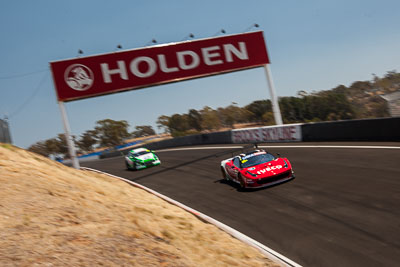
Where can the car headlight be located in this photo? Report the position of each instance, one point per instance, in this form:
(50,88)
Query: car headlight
(286,165)
(252,174)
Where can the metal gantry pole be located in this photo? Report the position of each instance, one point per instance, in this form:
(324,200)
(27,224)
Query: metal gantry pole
(7,131)
(274,99)
(68,137)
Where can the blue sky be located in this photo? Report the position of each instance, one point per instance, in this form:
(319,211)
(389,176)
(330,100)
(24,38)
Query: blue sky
(313,45)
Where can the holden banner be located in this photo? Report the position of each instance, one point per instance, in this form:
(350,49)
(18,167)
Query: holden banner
(138,68)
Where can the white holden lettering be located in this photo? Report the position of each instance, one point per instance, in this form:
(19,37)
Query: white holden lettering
(208,55)
(152,67)
(183,64)
(121,70)
(163,64)
(186,59)
(240,53)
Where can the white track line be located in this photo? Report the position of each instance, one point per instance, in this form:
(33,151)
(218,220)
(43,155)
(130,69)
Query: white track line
(198,148)
(270,253)
(325,146)
(279,146)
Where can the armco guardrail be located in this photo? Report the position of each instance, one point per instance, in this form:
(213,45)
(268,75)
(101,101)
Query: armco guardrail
(383,129)
(5,136)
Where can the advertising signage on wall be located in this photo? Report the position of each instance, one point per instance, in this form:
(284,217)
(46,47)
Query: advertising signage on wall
(137,68)
(287,133)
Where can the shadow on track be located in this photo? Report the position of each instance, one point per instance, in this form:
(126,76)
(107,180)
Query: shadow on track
(248,190)
(215,155)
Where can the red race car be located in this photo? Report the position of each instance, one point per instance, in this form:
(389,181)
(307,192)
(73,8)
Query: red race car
(257,169)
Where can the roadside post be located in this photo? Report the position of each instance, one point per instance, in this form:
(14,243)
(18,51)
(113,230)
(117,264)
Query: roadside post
(68,137)
(274,99)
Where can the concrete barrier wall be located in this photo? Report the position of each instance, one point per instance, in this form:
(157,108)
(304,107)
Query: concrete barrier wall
(190,140)
(5,136)
(384,129)
(198,139)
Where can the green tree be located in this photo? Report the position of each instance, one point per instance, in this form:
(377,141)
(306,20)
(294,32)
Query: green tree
(210,119)
(111,132)
(87,140)
(194,120)
(61,145)
(233,114)
(393,79)
(178,124)
(226,117)
(268,118)
(292,108)
(53,146)
(163,123)
(144,130)
(39,148)
(287,111)
(258,108)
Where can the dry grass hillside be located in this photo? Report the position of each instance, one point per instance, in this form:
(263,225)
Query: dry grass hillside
(53,215)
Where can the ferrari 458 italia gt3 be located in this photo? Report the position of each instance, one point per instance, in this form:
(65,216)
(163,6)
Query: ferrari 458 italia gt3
(257,169)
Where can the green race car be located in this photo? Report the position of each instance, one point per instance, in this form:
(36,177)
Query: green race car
(141,158)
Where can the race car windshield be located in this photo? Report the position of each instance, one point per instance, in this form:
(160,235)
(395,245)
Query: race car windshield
(140,153)
(258,159)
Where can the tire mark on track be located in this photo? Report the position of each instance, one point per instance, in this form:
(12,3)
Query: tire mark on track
(215,155)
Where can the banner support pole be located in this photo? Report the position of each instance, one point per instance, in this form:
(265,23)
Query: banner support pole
(274,99)
(68,137)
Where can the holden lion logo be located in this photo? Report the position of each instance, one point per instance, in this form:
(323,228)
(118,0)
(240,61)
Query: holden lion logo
(78,77)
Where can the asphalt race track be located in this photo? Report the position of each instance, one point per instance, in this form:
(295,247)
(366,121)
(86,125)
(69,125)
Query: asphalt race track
(343,208)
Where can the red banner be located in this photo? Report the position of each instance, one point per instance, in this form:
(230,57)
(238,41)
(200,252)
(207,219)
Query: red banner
(133,69)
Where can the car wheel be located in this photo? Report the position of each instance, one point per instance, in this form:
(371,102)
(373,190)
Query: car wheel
(241,181)
(224,176)
(127,166)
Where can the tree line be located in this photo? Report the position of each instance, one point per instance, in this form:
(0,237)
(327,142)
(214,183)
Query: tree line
(325,106)
(106,133)
(360,100)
